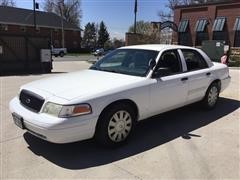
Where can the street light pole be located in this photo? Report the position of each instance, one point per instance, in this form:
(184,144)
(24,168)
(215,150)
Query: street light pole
(135,16)
(62,24)
(34,13)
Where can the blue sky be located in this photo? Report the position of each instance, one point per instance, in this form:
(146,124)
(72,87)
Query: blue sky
(117,14)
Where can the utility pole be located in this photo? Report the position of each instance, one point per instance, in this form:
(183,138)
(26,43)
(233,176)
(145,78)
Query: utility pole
(135,16)
(34,14)
(63,36)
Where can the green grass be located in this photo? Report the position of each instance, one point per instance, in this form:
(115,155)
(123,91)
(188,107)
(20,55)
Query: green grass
(234,61)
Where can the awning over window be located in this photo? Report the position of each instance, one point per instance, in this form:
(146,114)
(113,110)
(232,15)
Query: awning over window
(200,25)
(237,24)
(183,26)
(219,24)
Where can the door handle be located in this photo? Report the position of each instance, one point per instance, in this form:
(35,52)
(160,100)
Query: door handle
(208,74)
(184,79)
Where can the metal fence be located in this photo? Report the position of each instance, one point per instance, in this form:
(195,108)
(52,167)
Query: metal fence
(21,54)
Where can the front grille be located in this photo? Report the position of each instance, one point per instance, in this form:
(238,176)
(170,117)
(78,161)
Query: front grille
(31,100)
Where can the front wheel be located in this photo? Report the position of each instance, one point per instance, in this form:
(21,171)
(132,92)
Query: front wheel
(115,125)
(211,97)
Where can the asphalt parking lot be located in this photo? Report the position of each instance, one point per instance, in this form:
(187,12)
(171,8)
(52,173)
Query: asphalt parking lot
(188,143)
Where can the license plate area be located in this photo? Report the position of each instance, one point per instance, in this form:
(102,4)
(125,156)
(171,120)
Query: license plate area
(18,120)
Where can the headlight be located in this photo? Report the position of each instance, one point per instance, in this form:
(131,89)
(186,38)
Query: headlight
(66,111)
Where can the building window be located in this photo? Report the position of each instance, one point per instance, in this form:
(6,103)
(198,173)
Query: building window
(23,28)
(237,39)
(237,32)
(237,24)
(3,27)
(200,37)
(185,39)
(201,34)
(200,25)
(218,30)
(183,26)
(219,24)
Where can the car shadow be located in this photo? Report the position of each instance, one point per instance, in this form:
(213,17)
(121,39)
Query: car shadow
(150,133)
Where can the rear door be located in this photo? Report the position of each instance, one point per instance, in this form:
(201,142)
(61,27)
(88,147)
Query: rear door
(198,74)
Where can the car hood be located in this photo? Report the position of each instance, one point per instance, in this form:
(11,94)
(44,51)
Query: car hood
(84,83)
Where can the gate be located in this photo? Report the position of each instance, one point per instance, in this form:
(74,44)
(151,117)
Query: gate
(21,54)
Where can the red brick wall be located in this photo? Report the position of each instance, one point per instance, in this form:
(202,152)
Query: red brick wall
(72,38)
(231,12)
(193,13)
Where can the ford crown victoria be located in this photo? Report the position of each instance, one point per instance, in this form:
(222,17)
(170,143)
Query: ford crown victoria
(126,86)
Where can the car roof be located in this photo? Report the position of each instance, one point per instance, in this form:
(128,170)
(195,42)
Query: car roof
(157,47)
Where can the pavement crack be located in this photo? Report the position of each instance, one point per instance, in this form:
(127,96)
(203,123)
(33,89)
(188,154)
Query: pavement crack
(128,172)
(11,139)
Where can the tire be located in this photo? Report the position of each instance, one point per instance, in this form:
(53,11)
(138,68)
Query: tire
(211,98)
(56,55)
(61,54)
(115,125)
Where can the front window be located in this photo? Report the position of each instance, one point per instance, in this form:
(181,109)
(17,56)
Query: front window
(169,63)
(134,62)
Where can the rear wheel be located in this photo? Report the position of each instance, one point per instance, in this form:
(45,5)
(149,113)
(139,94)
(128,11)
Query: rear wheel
(61,54)
(211,97)
(115,125)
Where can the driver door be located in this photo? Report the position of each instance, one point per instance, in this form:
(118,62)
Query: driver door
(169,88)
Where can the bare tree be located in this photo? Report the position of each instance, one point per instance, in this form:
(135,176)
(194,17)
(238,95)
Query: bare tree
(7,3)
(49,5)
(142,27)
(69,9)
(164,16)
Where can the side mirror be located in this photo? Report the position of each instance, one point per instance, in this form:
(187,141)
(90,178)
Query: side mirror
(160,72)
(152,63)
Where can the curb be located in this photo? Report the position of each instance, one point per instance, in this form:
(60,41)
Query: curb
(235,68)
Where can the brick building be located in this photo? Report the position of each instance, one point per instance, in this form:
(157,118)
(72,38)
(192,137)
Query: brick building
(21,22)
(209,21)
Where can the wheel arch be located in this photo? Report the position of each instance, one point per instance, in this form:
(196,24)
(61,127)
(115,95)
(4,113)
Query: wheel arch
(122,101)
(218,81)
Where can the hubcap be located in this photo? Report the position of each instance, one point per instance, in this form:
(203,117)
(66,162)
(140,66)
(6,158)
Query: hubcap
(212,96)
(119,126)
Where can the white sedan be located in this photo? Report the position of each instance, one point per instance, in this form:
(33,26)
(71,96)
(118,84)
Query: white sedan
(126,86)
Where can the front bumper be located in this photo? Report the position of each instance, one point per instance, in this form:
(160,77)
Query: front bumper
(53,129)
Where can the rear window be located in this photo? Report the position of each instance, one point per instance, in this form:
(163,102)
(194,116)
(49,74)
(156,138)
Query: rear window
(194,60)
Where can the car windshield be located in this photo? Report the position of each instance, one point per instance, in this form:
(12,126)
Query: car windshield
(127,61)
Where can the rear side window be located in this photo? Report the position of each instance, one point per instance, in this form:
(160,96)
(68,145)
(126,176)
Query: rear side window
(194,60)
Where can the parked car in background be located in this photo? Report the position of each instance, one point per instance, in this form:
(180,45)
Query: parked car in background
(58,51)
(126,86)
(98,52)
